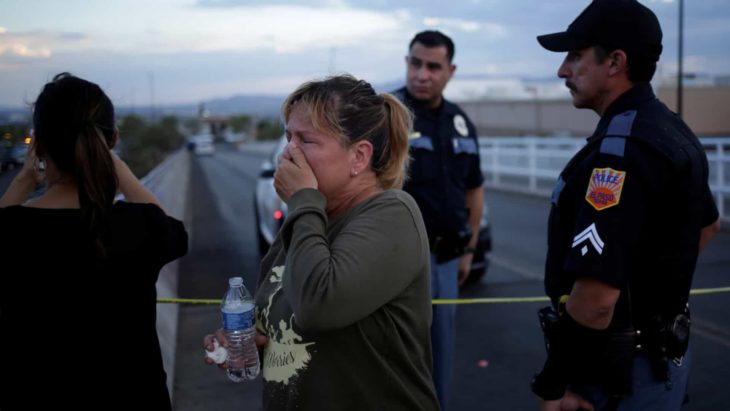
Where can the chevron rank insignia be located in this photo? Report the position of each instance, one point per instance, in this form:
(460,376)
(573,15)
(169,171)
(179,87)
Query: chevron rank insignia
(591,236)
(604,189)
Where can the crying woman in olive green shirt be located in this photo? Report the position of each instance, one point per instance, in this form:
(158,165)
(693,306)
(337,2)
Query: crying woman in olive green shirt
(344,293)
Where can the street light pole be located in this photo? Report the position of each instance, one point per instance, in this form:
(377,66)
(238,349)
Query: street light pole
(680,52)
(153,111)
(538,111)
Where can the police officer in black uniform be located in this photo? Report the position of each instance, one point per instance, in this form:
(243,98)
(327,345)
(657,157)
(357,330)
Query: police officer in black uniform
(445,179)
(630,213)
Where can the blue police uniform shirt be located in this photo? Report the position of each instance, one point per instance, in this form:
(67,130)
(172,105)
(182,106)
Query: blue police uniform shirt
(629,207)
(445,164)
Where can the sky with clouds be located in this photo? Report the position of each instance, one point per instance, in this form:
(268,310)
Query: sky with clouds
(186,51)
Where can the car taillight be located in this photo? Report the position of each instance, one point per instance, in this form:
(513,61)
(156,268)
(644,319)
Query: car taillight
(278,214)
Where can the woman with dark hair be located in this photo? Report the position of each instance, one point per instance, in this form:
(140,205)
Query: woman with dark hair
(78,284)
(343,300)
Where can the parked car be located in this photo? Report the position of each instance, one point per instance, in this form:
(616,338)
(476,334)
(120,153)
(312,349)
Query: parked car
(270,213)
(5,161)
(201,144)
(18,154)
(480,262)
(13,156)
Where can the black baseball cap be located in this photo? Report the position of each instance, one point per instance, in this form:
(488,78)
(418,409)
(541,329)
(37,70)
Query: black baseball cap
(614,24)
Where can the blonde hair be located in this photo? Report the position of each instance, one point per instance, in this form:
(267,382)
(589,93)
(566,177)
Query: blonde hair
(350,109)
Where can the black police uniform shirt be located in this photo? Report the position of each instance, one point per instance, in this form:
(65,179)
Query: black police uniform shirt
(445,164)
(629,207)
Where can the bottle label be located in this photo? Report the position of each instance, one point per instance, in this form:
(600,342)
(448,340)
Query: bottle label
(238,317)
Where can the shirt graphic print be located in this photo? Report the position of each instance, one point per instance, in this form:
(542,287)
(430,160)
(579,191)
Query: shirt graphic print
(284,354)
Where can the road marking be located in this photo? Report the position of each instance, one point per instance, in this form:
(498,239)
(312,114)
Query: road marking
(711,331)
(515,267)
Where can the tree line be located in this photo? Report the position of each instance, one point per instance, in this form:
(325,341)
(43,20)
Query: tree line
(143,144)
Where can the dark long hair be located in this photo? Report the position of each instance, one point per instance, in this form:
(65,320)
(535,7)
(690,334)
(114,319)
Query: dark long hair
(73,124)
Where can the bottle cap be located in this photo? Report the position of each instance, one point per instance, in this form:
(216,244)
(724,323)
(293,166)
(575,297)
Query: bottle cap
(235,281)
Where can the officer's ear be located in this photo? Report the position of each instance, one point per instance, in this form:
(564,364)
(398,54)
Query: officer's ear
(618,62)
(452,70)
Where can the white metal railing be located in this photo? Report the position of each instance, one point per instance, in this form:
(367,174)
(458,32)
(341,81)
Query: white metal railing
(532,164)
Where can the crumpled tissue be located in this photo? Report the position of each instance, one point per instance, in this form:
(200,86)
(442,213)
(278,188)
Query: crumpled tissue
(219,354)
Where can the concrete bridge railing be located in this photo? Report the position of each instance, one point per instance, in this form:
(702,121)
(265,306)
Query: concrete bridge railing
(169,182)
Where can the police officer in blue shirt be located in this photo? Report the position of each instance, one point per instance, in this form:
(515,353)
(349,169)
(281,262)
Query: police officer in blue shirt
(630,213)
(446,180)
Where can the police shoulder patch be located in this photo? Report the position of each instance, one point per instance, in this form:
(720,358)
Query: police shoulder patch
(604,188)
(460,125)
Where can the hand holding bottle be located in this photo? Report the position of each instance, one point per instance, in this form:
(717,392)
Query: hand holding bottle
(219,337)
(238,351)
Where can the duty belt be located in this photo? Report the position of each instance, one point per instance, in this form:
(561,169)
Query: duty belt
(447,248)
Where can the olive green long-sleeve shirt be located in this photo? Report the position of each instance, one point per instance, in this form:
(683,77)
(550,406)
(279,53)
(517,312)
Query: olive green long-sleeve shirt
(346,305)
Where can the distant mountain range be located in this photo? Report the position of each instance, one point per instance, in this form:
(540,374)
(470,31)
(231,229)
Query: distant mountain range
(462,88)
(254,105)
(259,106)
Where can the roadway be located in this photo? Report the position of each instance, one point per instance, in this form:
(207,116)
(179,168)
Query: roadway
(6,177)
(499,346)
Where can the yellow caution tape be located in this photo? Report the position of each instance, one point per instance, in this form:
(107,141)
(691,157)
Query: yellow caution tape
(703,291)
(456,301)
(495,300)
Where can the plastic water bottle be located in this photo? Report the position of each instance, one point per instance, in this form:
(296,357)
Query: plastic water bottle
(239,324)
